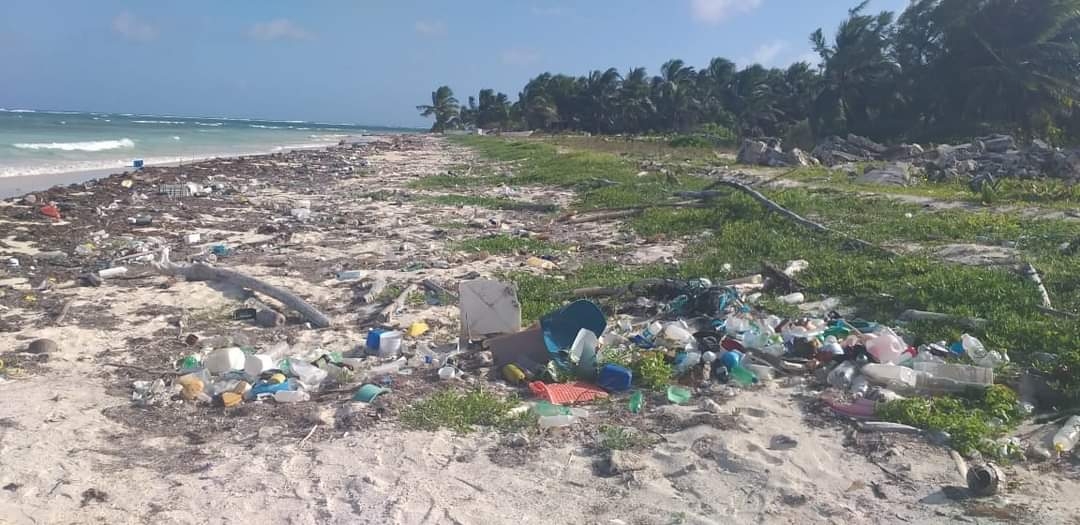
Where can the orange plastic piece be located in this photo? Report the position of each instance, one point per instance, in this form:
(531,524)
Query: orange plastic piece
(50,210)
(566,394)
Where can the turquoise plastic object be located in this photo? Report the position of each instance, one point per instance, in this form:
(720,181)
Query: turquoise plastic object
(562,326)
(368,393)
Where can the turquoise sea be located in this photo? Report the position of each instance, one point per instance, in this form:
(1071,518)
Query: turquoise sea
(34,142)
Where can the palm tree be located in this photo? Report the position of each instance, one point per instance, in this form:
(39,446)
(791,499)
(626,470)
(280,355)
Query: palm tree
(635,106)
(859,77)
(444,107)
(674,87)
(599,91)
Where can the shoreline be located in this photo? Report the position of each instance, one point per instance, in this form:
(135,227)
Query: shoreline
(21,185)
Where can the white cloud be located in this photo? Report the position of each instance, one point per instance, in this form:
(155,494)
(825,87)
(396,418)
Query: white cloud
(279,29)
(130,27)
(431,27)
(519,57)
(766,53)
(551,11)
(716,11)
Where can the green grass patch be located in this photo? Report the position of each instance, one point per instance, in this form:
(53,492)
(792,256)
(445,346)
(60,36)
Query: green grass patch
(510,244)
(738,231)
(494,203)
(452,182)
(652,371)
(464,411)
(541,294)
(622,438)
(973,421)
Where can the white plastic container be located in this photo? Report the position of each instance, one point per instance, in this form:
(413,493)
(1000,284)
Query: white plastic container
(447,373)
(562,420)
(112,272)
(892,376)
(193,238)
(291,396)
(390,344)
(1065,439)
(225,360)
(583,352)
(256,364)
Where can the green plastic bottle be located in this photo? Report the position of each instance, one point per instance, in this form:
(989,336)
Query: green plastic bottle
(637,402)
(742,376)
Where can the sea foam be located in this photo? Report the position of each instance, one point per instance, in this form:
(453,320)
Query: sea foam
(96,145)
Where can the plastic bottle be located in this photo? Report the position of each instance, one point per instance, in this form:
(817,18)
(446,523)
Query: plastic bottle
(684,362)
(583,353)
(388,368)
(742,376)
(637,402)
(979,354)
(892,376)
(1065,439)
(291,396)
(565,420)
(842,375)
(308,374)
(676,336)
(351,275)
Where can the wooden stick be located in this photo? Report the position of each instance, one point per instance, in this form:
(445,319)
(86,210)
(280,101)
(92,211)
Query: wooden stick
(310,432)
(145,370)
(1033,275)
(203,272)
(387,313)
(772,206)
(63,313)
(919,315)
(602,214)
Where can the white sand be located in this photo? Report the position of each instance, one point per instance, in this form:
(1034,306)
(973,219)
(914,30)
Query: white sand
(57,442)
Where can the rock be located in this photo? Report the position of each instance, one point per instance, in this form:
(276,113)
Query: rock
(616,462)
(518,440)
(865,144)
(371,480)
(269,318)
(43,346)
(782,442)
(997,143)
(30,199)
(710,406)
(796,157)
(751,152)
(321,415)
(905,152)
(896,174)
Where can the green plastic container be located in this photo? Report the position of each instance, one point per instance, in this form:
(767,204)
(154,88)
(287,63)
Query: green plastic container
(679,395)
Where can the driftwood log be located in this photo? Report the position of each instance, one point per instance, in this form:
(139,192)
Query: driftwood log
(204,272)
(709,193)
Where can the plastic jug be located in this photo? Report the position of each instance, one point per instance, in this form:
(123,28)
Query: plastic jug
(583,353)
(615,378)
(390,344)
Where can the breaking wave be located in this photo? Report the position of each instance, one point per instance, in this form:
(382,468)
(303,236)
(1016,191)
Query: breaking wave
(97,145)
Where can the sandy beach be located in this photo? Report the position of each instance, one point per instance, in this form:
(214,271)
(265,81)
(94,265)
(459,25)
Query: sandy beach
(75,448)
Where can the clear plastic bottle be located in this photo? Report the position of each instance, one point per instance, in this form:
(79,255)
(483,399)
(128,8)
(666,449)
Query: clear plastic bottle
(842,375)
(1065,439)
(291,396)
(892,376)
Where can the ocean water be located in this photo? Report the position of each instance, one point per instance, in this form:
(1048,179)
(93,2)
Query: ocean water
(45,142)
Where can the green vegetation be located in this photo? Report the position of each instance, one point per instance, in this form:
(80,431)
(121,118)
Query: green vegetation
(622,438)
(501,244)
(494,203)
(972,421)
(941,69)
(652,371)
(464,411)
(441,182)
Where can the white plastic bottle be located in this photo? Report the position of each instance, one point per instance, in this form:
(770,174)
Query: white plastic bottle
(291,396)
(1066,438)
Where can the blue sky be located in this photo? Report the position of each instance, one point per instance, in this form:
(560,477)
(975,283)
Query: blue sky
(365,61)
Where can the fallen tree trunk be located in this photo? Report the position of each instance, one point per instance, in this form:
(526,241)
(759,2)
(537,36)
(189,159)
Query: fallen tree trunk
(204,272)
(709,194)
(919,315)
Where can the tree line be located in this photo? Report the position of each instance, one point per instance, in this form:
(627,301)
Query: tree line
(941,69)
